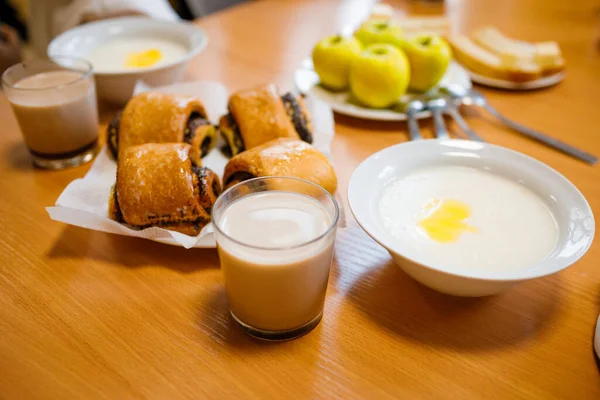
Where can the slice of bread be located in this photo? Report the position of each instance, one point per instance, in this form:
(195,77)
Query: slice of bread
(558,66)
(483,62)
(548,55)
(510,51)
(520,54)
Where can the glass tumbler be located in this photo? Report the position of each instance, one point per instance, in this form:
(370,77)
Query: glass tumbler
(54,102)
(275,237)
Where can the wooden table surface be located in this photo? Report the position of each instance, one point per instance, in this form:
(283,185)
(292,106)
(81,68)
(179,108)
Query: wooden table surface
(88,315)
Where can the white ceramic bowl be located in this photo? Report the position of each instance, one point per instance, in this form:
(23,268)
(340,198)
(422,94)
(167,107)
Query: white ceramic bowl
(570,209)
(117,87)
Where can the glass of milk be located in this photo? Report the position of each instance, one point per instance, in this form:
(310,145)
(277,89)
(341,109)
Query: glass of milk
(54,102)
(275,238)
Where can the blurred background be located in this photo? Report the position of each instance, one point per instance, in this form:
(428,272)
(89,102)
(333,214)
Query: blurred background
(27,26)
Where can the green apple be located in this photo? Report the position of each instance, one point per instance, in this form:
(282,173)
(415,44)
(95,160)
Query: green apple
(379,76)
(378,31)
(429,56)
(332,57)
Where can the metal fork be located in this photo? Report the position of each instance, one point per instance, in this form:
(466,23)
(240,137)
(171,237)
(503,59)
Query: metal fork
(473,97)
(452,110)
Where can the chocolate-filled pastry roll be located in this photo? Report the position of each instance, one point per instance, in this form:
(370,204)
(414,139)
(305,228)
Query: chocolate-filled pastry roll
(260,114)
(297,113)
(162,118)
(209,186)
(159,185)
(282,157)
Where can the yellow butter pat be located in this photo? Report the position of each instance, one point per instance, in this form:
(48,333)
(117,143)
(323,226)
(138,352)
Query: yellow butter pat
(143,59)
(445,220)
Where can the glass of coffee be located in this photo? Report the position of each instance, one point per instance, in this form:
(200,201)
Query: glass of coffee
(275,238)
(54,102)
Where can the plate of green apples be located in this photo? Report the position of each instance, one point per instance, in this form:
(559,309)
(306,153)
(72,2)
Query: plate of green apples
(374,73)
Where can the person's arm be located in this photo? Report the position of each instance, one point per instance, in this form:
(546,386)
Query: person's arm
(79,12)
(106,9)
(95,15)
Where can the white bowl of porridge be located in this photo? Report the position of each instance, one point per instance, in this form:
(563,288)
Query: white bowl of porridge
(467,218)
(125,50)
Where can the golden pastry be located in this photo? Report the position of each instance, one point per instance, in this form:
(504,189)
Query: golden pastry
(260,114)
(159,185)
(162,118)
(282,157)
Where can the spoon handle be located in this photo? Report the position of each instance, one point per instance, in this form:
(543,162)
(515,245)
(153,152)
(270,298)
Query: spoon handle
(413,126)
(440,126)
(542,138)
(454,113)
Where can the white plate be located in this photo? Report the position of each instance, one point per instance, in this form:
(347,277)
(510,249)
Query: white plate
(541,83)
(307,81)
(571,211)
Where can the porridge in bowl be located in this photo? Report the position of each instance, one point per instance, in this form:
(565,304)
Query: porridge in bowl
(131,53)
(463,219)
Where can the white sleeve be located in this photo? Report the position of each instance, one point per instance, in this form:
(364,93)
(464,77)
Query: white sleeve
(70,15)
(158,9)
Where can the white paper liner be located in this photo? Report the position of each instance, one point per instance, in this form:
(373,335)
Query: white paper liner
(84,202)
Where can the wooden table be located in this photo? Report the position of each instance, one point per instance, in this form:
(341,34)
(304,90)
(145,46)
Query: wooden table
(87,315)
